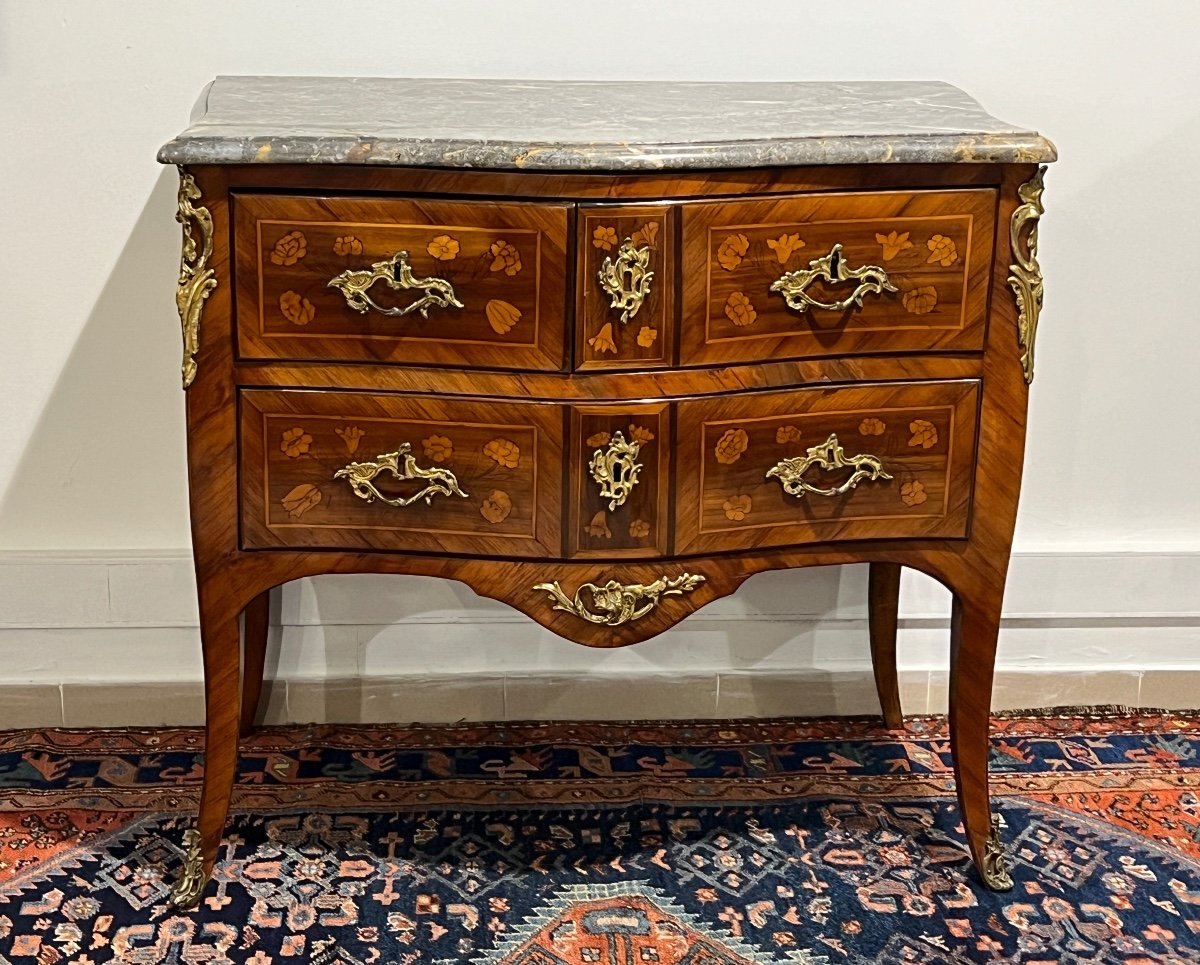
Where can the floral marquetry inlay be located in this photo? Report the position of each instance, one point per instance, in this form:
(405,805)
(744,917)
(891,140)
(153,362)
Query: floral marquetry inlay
(942,251)
(438,448)
(731,445)
(496,507)
(646,235)
(924,433)
(639,529)
(347,245)
(598,527)
(505,257)
(289,249)
(785,246)
(920,301)
(296,309)
(738,507)
(444,248)
(350,435)
(501,315)
(872,427)
(739,310)
(503,452)
(605,237)
(786,434)
(301,499)
(646,336)
(893,243)
(295,443)
(602,341)
(913,493)
(732,250)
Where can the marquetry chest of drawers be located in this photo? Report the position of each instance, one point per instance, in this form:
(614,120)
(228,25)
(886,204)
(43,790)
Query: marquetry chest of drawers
(603,351)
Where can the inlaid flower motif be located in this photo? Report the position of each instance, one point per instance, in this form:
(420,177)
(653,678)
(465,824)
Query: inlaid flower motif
(731,445)
(732,250)
(924,433)
(501,315)
(505,257)
(350,435)
(785,246)
(602,341)
(786,434)
(640,434)
(438,448)
(639,529)
(598,527)
(496,506)
(444,248)
(289,249)
(598,439)
(871,427)
(942,251)
(295,443)
(604,238)
(296,309)
(737,508)
(503,452)
(646,235)
(739,310)
(646,336)
(347,245)
(913,493)
(893,243)
(301,499)
(920,301)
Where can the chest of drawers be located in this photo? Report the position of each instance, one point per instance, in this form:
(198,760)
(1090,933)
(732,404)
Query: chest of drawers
(602,369)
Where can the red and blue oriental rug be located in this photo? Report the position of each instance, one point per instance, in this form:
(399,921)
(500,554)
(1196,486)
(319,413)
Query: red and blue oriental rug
(722,843)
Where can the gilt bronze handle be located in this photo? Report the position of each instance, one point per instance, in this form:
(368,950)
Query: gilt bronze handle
(397,274)
(831,269)
(829,455)
(403,465)
(626,280)
(616,603)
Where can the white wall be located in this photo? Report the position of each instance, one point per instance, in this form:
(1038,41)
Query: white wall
(91,447)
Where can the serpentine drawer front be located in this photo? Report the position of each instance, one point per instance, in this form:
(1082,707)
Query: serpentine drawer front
(356,471)
(601,352)
(896,271)
(407,281)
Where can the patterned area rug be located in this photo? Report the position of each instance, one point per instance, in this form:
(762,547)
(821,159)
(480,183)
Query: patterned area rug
(701,844)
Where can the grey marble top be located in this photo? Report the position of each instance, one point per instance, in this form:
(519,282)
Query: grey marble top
(591,125)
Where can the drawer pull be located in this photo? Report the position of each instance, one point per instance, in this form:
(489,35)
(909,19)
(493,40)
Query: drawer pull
(438,482)
(829,455)
(398,275)
(616,469)
(831,269)
(626,281)
(615,603)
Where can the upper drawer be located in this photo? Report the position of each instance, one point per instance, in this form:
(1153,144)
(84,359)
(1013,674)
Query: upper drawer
(895,271)
(467,283)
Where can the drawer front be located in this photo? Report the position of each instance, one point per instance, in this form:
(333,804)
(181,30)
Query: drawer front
(814,465)
(625,307)
(475,284)
(814,275)
(619,480)
(389,472)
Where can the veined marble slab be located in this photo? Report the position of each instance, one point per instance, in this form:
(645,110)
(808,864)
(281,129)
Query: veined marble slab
(592,125)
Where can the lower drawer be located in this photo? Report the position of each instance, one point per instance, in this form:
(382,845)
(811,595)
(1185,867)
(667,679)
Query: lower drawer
(818,464)
(348,470)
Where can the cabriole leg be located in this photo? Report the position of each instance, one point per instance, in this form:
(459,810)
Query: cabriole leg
(883,599)
(975,625)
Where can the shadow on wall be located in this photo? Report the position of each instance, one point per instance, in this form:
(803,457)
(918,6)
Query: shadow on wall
(105,466)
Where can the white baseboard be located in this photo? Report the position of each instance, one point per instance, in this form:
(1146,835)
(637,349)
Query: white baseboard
(87,640)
